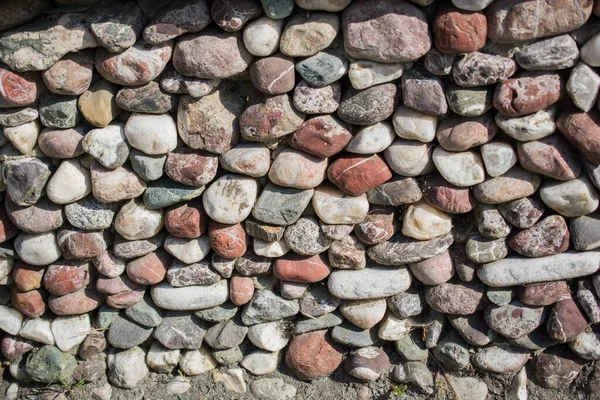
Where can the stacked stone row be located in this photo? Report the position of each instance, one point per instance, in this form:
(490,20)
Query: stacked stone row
(192,185)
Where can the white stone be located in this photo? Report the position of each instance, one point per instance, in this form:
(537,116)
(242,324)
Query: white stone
(70,182)
(335,207)
(518,387)
(135,221)
(364,73)
(188,251)
(37,248)
(103,392)
(498,157)
(230,198)
(261,36)
(521,271)
(371,139)
(24,137)
(461,169)
(573,198)
(270,249)
(190,297)
(12,392)
(196,362)
(325,5)
(11,320)
(368,283)
(422,221)
(252,159)
(472,5)
(232,379)
(152,134)
(270,336)
(6,266)
(70,331)
(108,145)
(469,388)
(178,385)
(409,157)
(261,362)
(127,368)
(364,313)
(583,86)
(414,125)
(590,52)
(273,388)
(38,330)
(530,127)
(393,328)
(161,359)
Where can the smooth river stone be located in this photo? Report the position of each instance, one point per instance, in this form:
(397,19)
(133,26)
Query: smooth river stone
(190,297)
(400,250)
(519,270)
(461,169)
(368,283)
(513,185)
(297,169)
(573,198)
(230,198)
(334,207)
(177,18)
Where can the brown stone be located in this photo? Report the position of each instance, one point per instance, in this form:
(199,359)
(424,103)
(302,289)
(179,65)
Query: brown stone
(556,371)
(435,270)
(61,143)
(108,264)
(371,31)
(355,175)
(98,105)
(311,355)
(71,75)
(18,89)
(190,167)
(379,225)
(565,321)
(94,343)
(228,241)
(274,74)
(149,269)
(544,294)
(551,156)
(423,92)
(188,220)
(80,245)
(112,185)
(66,277)
(27,277)
(241,289)
(514,184)
(548,237)
(321,136)
(460,133)
(232,15)
(583,131)
(459,31)
(512,21)
(294,268)
(528,93)
(32,303)
(79,302)
(456,298)
(7,229)
(447,197)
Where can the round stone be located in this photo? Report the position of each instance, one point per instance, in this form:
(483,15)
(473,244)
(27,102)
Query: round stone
(252,159)
(261,36)
(152,134)
(414,125)
(191,167)
(61,143)
(135,221)
(371,139)
(230,198)
(97,104)
(296,169)
(311,355)
(461,169)
(37,248)
(307,34)
(409,157)
(274,74)
(71,75)
(306,237)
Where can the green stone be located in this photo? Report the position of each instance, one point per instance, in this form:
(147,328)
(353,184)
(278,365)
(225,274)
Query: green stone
(166,192)
(323,68)
(411,347)
(470,102)
(58,111)
(106,315)
(228,356)
(278,9)
(49,365)
(149,168)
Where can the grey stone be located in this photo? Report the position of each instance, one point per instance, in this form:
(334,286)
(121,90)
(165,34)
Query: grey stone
(180,330)
(145,313)
(266,306)
(558,52)
(500,296)
(348,334)
(452,351)
(18,116)
(585,232)
(58,111)
(588,301)
(219,313)
(323,68)
(411,347)
(177,18)
(500,359)
(228,356)
(318,301)
(306,237)
(226,335)
(400,250)
(438,63)
(165,192)
(199,273)
(272,389)
(490,222)
(90,214)
(368,283)
(279,205)
(423,92)
(484,250)
(149,168)
(251,264)
(473,329)
(117,26)
(395,192)
(324,321)
(470,102)
(407,304)
(125,334)
(369,106)
(536,340)
(50,365)
(129,249)
(268,233)
(106,315)
(415,373)
(25,179)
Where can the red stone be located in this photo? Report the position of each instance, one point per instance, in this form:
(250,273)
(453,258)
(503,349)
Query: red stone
(125,299)
(228,241)
(7,229)
(551,156)
(241,289)
(435,270)
(191,167)
(544,294)
(528,93)
(566,321)
(312,356)
(379,225)
(66,277)
(187,220)
(79,302)
(583,131)
(80,245)
(27,277)
(556,371)
(149,269)
(321,136)
(459,31)
(120,284)
(274,74)
(547,237)
(301,269)
(356,175)
(14,347)
(449,198)
(32,303)
(18,89)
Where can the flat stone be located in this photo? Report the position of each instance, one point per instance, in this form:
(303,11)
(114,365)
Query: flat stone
(267,306)
(125,334)
(514,320)
(556,370)
(473,329)
(305,35)
(456,298)
(583,86)
(571,199)
(368,283)
(364,73)
(352,336)
(190,297)
(512,185)
(500,359)
(180,330)
(400,250)
(379,100)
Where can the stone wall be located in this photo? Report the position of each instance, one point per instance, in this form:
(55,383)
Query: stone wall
(191,185)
